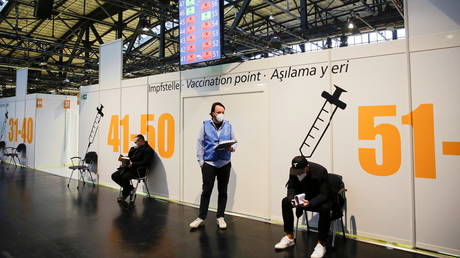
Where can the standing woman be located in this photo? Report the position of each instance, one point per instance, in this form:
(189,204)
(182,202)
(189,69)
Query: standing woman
(214,163)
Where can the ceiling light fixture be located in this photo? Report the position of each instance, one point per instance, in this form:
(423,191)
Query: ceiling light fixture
(350,25)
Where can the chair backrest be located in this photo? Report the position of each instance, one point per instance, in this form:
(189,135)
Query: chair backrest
(21,148)
(335,183)
(337,191)
(91,161)
(91,157)
(76,161)
(9,150)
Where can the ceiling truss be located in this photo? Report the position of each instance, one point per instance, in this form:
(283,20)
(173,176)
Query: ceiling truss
(63,52)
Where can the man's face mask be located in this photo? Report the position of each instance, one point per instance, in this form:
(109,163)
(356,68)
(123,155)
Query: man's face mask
(298,172)
(220,117)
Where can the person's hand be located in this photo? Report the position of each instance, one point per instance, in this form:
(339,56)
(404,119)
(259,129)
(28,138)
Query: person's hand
(293,203)
(305,203)
(119,158)
(229,148)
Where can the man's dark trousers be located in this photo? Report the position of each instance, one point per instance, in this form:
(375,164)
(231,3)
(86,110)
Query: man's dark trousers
(324,210)
(123,176)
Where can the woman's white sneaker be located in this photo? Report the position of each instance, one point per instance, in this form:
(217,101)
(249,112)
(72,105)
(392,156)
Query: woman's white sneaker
(196,223)
(319,251)
(284,243)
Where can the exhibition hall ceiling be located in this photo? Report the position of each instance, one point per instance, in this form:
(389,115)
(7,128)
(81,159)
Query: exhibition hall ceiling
(62,51)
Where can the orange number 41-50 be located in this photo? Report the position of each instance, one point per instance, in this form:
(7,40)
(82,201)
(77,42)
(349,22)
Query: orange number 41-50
(161,139)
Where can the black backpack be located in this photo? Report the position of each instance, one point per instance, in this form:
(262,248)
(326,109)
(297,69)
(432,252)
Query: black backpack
(337,195)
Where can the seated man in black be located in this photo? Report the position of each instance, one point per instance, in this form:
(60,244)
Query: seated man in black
(311,179)
(140,157)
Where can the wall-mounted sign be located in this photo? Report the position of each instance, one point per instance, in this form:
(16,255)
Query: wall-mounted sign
(3,3)
(200,30)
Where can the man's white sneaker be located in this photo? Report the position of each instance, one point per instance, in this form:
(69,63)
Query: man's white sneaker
(319,251)
(284,243)
(196,223)
(221,223)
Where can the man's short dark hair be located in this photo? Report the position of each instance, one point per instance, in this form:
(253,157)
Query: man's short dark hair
(298,164)
(140,137)
(213,107)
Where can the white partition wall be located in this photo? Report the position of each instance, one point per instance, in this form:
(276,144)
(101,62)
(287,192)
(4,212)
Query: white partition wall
(434,46)
(396,143)
(110,68)
(371,147)
(89,101)
(29,124)
(272,104)
(161,125)
(47,125)
(56,132)
(436,126)
(294,104)
(20,125)
(247,114)
(9,133)
(110,134)
(4,103)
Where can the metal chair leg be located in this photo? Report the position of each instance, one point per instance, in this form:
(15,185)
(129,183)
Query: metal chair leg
(343,228)
(19,162)
(13,161)
(334,223)
(91,176)
(306,219)
(296,229)
(70,178)
(146,187)
(132,198)
(81,176)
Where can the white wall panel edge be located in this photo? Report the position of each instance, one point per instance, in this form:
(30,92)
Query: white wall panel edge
(89,88)
(268,151)
(434,41)
(411,145)
(111,42)
(164,77)
(385,238)
(31,96)
(369,50)
(181,146)
(439,248)
(308,58)
(111,65)
(301,60)
(134,82)
(217,92)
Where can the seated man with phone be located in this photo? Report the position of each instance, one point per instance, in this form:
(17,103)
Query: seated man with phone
(133,166)
(308,189)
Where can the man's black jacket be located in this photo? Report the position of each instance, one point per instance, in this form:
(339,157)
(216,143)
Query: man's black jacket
(314,185)
(141,156)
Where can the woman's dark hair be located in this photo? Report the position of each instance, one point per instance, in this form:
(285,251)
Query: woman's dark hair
(213,107)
